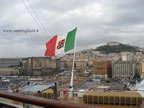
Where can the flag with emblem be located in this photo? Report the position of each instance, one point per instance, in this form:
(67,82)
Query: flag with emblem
(60,44)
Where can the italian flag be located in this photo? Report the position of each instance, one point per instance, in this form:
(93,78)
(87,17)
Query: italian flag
(60,44)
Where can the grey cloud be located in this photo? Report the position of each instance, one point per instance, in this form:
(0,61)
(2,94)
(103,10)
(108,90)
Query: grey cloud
(98,22)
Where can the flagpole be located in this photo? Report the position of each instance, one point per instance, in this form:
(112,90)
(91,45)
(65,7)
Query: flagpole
(72,73)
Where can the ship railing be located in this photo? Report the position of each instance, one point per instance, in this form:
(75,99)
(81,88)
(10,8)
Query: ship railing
(42,102)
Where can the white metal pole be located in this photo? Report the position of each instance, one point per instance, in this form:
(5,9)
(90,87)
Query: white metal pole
(72,73)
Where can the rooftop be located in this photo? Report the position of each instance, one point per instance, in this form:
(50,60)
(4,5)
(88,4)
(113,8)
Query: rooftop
(35,88)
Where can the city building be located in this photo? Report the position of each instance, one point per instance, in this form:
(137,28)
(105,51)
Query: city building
(123,69)
(9,62)
(101,69)
(10,66)
(140,69)
(128,56)
(41,66)
(81,65)
(9,71)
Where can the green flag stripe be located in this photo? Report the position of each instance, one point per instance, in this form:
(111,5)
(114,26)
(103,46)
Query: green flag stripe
(70,40)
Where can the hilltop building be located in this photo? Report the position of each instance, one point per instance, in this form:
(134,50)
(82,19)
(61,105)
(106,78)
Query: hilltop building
(113,43)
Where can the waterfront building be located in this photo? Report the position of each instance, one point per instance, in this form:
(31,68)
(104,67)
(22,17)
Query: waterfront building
(10,66)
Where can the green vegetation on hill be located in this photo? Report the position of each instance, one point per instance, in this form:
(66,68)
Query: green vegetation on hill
(117,48)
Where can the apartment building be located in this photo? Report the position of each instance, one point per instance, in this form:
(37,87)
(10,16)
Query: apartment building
(123,69)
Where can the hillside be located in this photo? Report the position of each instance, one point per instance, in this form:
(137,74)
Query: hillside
(117,48)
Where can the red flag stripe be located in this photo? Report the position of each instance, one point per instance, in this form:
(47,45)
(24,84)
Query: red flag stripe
(50,51)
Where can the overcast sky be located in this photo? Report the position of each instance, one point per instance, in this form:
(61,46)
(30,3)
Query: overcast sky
(97,22)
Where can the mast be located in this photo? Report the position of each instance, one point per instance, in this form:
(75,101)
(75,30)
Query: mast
(72,73)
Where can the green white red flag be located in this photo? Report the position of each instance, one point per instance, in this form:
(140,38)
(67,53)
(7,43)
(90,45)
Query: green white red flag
(61,44)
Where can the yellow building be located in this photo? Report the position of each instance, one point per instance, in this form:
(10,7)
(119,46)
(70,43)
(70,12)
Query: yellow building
(142,73)
(140,69)
(101,69)
(119,98)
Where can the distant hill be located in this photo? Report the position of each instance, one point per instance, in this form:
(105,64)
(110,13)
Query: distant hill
(117,48)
